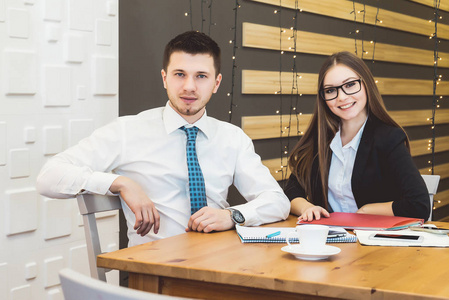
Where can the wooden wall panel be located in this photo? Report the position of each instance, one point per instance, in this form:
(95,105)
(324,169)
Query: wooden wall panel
(268,37)
(441,199)
(342,9)
(444,5)
(421,147)
(267,82)
(266,127)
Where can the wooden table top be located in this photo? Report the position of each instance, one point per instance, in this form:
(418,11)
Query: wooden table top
(357,272)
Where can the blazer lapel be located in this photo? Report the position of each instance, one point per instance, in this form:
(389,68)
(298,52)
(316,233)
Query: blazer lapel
(361,158)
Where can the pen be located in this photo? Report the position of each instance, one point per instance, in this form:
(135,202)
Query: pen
(273,234)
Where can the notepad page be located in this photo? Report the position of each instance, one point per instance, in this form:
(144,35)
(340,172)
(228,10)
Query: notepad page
(259,235)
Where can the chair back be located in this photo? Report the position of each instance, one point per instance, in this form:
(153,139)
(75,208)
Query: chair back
(89,204)
(432,186)
(76,286)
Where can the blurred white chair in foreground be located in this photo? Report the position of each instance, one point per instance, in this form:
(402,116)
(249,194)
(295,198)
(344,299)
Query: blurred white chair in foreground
(432,186)
(77,286)
(89,204)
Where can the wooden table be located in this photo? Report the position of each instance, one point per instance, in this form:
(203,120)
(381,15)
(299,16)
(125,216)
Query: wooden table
(219,266)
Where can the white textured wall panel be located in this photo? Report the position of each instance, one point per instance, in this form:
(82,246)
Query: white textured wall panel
(52,140)
(18,23)
(57,86)
(111,8)
(21,211)
(105,74)
(19,163)
(103,32)
(2,10)
(81,15)
(20,72)
(53,10)
(81,92)
(3,145)
(79,129)
(78,259)
(51,268)
(29,135)
(48,79)
(57,218)
(55,294)
(21,292)
(3,278)
(74,47)
(30,270)
(52,33)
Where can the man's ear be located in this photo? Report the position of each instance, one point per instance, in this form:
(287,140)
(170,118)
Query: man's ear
(164,78)
(217,83)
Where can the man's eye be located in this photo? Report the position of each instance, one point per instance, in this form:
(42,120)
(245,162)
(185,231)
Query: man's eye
(179,74)
(202,76)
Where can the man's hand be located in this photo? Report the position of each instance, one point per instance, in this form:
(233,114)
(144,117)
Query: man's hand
(209,219)
(143,208)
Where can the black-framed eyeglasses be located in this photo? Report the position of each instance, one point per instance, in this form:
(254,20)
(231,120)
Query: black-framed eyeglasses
(349,88)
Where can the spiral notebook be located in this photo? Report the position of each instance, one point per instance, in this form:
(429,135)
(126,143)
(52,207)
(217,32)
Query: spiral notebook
(261,235)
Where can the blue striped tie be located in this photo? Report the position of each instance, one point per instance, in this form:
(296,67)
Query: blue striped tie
(196,180)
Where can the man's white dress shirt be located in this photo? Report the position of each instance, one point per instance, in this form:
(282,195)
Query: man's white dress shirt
(340,195)
(150,149)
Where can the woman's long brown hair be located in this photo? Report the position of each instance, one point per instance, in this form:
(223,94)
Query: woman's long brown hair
(315,144)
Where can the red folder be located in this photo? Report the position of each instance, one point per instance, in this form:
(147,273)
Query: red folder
(365,221)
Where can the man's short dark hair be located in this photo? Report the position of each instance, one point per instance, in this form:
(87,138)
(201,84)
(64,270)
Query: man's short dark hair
(193,42)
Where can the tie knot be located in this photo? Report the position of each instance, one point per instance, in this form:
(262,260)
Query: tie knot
(191,132)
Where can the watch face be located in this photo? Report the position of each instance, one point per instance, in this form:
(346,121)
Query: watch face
(238,217)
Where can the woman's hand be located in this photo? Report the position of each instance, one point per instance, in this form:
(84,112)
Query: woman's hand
(306,210)
(313,212)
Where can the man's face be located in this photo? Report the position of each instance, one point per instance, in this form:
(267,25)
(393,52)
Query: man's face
(190,82)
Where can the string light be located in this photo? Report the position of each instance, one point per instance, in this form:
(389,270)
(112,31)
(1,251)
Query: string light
(285,130)
(375,37)
(234,63)
(436,81)
(280,111)
(191,16)
(355,26)
(210,15)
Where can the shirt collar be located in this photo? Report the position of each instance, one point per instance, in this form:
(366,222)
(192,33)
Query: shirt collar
(354,143)
(173,121)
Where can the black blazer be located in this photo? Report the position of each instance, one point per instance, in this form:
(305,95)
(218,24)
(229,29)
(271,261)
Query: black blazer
(383,171)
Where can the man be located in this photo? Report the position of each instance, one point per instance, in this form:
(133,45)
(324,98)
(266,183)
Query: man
(142,158)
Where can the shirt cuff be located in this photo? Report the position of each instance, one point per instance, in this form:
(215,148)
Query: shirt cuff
(99,183)
(250,215)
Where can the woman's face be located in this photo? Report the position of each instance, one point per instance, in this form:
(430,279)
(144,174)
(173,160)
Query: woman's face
(348,108)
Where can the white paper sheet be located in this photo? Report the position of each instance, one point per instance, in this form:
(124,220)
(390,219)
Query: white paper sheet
(429,239)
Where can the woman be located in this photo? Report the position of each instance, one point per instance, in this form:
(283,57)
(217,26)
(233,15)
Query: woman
(353,157)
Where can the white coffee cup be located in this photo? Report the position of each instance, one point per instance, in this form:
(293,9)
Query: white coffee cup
(312,237)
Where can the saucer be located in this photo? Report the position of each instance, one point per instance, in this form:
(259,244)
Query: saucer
(298,252)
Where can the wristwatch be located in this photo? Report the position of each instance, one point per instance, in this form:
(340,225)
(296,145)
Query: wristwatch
(237,217)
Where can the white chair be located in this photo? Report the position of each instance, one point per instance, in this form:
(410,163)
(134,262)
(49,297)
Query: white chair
(432,186)
(76,286)
(89,204)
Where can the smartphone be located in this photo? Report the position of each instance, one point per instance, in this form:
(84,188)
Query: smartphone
(430,229)
(335,233)
(396,237)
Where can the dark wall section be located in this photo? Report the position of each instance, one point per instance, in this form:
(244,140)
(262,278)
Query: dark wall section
(147,25)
